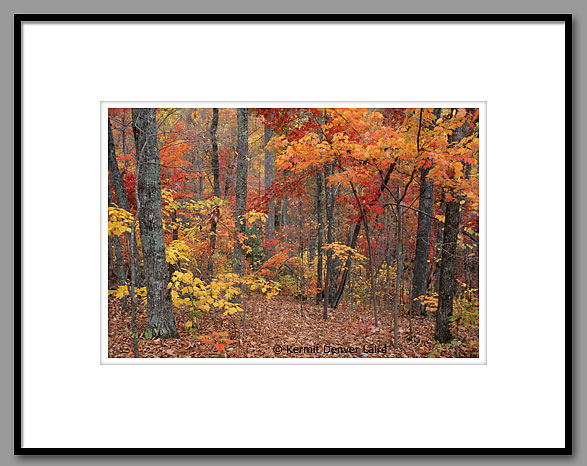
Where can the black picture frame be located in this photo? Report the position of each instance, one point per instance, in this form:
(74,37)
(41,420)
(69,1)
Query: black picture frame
(19,19)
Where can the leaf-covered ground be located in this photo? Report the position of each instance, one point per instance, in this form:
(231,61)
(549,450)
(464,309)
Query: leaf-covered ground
(276,327)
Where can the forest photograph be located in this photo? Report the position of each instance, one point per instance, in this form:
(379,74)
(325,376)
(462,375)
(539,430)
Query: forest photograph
(293,233)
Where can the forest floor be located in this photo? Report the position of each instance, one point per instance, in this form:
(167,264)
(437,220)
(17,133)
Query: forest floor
(276,328)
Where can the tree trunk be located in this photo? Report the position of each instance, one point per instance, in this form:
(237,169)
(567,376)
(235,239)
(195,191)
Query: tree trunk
(160,319)
(301,250)
(422,254)
(118,262)
(435,267)
(399,273)
(122,201)
(319,237)
(387,255)
(447,272)
(329,195)
(123,139)
(284,206)
(269,176)
(198,168)
(449,257)
(215,162)
(240,190)
(216,189)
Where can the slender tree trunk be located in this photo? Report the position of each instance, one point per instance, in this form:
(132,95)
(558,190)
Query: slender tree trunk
(325,294)
(349,264)
(123,139)
(435,267)
(160,319)
(399,273)
(201,173)
(319,237)
(197,167)
(122,202)
(118,266)
(215,162)
(335,269)
(311,252)
(284,215)
(216,189)
(301,251)
(371,271)
(329,194)
(387,256)
(350,290)
(112,275)
(133,277)
(269,176)
(326,285)
(241,191)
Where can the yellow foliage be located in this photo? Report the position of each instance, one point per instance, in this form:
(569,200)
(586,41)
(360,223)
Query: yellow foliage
(341,252)
(176,251)
(429,302)
(119,221)
(189,290)
(254,216)
(123,291)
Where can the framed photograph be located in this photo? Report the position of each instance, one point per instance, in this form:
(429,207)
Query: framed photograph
(265,224)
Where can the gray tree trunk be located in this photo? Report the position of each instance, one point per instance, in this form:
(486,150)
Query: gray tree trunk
(269,177)
(447,272)
(399,273)
(122,201)
(420,277)
(215,162)
(240,189)
(118,262)
(426,201)
(284,206)
(319,237)
(329,195)
(216,188)
(449,258)
(160,319)
(435,266)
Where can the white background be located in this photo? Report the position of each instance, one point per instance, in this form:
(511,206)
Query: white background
(70,400)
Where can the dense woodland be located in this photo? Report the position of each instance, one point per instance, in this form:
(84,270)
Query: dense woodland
(293,232)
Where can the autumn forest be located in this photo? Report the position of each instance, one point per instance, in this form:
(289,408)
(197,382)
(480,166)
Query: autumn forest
(293,232)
